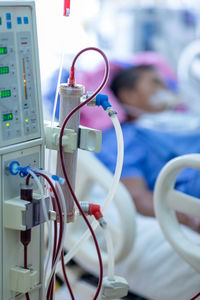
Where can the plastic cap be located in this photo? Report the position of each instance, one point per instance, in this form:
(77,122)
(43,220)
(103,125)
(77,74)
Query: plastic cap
(14,168)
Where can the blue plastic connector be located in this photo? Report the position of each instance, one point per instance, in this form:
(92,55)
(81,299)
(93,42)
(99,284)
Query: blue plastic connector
(14,168)
(102,100)
(59,179)
(23,172)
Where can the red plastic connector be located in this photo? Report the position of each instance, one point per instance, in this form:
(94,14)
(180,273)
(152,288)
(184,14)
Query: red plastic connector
(95,210)
(71,80)
(66,11)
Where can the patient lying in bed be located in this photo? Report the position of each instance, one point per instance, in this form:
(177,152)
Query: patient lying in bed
(148,150)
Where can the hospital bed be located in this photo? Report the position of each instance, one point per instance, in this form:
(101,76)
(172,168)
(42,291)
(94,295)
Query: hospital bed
(143,255)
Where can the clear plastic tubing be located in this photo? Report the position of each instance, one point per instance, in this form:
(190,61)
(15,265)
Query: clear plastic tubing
(43,204)
(64,231)
(55,105)
(110,196)
(50,244)
(50,229)
(111,254)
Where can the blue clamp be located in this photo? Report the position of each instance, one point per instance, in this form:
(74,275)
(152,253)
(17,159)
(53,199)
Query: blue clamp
(103,101)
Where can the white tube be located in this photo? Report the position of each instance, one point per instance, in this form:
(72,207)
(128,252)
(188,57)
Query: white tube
(64,228)
(109,198)
(55,105)
(42,195)
(111,254)
(57,88)
(50,244)
(43,205)
(120,159)
(49,250)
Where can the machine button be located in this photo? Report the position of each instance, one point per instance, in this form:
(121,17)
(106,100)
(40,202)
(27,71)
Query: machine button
(19,20)
(34,128)
(9,25)
(18,132)
(8,16)
(25,20)
(27,129)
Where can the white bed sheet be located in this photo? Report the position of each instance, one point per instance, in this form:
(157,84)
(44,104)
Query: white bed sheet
(153,269)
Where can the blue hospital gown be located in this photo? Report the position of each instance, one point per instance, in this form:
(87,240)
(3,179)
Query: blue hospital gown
(146,151)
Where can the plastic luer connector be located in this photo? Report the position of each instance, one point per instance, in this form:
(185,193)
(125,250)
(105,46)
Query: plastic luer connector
(66,12)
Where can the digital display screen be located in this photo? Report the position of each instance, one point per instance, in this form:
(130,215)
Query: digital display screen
(4,70)
(3,50)
(5,94)
(7,117)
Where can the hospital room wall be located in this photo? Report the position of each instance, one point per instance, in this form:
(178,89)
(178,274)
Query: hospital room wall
(120,28)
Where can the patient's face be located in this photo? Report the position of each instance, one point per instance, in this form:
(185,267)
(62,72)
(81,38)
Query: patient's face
(140,97)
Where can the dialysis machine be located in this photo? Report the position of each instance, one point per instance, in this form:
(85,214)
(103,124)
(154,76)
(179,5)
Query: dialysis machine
(21,139)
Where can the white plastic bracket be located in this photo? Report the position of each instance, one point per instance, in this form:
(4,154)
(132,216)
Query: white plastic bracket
(69,140)
(22,280)
(13,213)
(90,139)
(87,138)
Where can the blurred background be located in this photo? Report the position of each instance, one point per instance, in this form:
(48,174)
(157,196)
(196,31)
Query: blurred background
(121,28)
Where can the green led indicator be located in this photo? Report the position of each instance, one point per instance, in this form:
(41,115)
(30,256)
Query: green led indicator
(7,117)
(3,50)
(5,94)
(4,70)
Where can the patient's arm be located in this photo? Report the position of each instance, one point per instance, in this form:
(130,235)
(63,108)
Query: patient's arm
(143,199)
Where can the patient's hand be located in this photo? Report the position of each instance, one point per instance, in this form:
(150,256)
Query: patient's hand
(143,199)
(190,221)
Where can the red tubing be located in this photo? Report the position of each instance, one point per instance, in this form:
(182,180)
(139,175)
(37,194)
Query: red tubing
(56,250)
(51,284)
(25,257)
(62,158)
(27,296)
(26,267)
(65,276)
(196,296)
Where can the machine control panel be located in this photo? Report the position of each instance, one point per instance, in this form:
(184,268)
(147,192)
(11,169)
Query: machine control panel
(19,110)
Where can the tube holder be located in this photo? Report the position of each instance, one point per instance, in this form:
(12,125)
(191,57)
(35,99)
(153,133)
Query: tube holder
(22,215)
(22,280)
(69,140)
(87,139)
